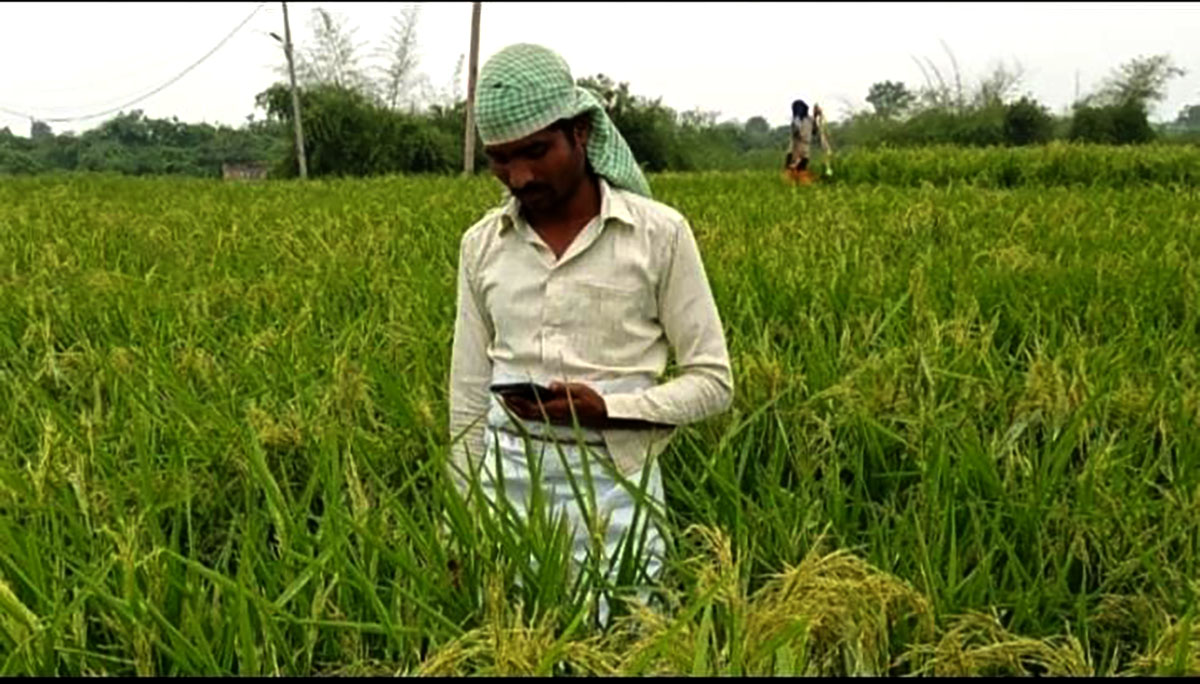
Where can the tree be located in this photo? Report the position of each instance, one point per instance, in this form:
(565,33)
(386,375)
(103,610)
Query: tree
(455,91)
(1189,117)
(349,134)
(1131,123)
(451,118)
(333,57)
(1118,111)
(999,85)
(757,126)
(1113,124)
(448,96)
(699,118)
(1027,123)
(941,95)
(17,162)
(39,130)
(1141,80)
(889,98)
(400,49)
(389,76)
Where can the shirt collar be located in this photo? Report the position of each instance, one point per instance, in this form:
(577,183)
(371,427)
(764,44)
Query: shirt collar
(612,207)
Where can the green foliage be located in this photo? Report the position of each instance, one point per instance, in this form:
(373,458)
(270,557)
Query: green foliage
(987,121)
(451,120)
(1027,123)
(1140,81)
(14,161)
(943,114)
(130,143)
(346,133)
(1057,164)
(757,128)
(39,130)
(1024,122)
(972,127)
(1119,124)
(1093,124)
(662,139)
(1189,117)
(890,98)
(1117,112)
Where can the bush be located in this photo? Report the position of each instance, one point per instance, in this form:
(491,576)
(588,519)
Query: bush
(1120,124)
(346,134)
(1131,124)
(1027,123)
(450,122)
(980,127)
(17,162)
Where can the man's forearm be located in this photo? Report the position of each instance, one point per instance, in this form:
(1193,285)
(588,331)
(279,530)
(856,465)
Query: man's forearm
(689,398)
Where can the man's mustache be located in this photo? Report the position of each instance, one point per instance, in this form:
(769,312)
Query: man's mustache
(531,189)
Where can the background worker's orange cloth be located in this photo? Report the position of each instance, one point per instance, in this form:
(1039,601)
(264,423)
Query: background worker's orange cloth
(804,177)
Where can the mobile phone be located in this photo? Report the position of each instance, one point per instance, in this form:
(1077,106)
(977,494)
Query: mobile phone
(530,391)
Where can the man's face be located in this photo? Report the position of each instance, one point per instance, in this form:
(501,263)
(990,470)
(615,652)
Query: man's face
(543,169)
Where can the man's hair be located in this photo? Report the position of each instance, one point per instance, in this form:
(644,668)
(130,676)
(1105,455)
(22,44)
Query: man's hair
(567,126)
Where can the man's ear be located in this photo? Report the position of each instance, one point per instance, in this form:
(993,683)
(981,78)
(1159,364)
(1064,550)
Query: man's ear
(583,129)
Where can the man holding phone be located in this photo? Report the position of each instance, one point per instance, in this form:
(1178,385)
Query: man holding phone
(579,285)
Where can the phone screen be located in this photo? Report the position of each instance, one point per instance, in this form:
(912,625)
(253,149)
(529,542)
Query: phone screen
(525,390)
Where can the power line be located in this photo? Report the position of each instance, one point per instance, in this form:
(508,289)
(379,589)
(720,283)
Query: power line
(152,92)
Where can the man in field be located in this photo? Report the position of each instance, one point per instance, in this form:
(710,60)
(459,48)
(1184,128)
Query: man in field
(579,282)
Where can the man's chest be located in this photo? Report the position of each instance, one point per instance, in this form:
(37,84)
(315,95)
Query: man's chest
(602,295)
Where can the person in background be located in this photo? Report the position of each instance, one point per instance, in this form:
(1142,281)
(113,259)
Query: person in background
(804,126)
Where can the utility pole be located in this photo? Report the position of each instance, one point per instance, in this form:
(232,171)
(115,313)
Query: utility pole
(287,48)
(473,68)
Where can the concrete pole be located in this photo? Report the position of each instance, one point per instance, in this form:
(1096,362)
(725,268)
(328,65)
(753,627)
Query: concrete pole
(473,70)
(287,48)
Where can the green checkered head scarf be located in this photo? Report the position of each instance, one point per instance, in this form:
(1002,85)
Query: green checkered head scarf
(525,88)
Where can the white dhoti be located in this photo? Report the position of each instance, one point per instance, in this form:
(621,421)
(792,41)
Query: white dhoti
(622,509)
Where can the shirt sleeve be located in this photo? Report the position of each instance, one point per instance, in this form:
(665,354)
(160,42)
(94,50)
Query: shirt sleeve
(470,369)
(693,329)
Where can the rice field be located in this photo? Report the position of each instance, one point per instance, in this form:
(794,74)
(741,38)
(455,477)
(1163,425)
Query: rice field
(964,438)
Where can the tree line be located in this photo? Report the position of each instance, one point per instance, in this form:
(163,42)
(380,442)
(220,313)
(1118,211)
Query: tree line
(371,111)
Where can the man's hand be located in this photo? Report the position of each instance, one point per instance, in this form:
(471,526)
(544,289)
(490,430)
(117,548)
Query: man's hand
(589,406)
(590,409)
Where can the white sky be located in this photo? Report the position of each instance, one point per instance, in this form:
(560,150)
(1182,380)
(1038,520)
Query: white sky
(739,59)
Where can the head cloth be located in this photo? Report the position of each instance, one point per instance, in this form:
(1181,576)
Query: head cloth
(525,88)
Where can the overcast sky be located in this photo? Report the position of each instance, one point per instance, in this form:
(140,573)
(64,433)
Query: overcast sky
(739,59)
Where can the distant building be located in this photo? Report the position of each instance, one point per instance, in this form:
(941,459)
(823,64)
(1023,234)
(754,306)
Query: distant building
(244,171)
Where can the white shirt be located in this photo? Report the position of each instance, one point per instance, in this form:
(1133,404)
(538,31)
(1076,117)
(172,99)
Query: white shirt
(629,287)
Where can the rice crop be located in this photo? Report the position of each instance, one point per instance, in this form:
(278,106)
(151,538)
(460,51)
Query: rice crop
(963,439)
